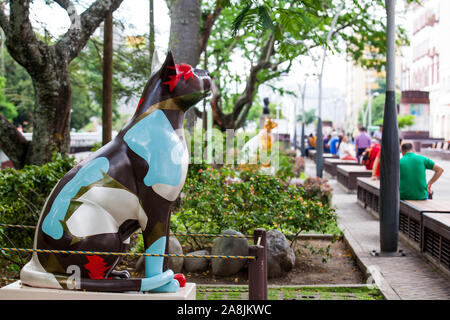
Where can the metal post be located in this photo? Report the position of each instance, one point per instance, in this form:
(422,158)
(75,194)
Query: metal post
(257,290)
(370,106)
(302,143)
(319,143)
(260,238)
(295,127)
(390,154)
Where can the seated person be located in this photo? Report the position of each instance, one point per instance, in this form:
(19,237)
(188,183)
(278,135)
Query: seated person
(311,143)
(413,180)
(376,167)
(334,144)
(326,146)
(346,150)
(370,154)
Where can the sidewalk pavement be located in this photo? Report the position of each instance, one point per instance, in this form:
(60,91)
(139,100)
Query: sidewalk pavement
(409,277)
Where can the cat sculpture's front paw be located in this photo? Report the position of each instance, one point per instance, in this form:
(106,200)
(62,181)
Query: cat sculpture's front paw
(157,281)
(170,287)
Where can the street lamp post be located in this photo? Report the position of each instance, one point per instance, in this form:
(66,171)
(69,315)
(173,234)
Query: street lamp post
(319,143)
(302,141)
(390,155)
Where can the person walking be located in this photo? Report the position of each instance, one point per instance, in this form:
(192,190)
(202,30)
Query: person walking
(362,142)
(413,180)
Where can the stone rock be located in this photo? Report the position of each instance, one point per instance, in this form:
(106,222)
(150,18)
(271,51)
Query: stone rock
(196,264)
(229,247)
(280,257)
(176,264)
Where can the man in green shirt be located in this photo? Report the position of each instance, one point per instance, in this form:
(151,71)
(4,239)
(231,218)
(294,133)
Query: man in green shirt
(413,180)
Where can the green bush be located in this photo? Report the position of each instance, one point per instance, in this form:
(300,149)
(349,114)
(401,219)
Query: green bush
(317,188)
(22,196)
(213,200)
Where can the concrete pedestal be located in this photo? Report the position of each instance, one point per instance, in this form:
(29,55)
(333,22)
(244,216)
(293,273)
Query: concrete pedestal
(17,291)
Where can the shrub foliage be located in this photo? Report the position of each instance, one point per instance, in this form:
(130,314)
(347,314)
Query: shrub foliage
(215,199)
(22,196)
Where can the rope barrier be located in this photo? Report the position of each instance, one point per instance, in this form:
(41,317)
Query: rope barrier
(210,235)
(169,255)
(182,234)
(9,279)
(222,290)
(16,226)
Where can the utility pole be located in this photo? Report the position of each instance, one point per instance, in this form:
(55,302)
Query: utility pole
(319,143)
(107,79)
(390,154)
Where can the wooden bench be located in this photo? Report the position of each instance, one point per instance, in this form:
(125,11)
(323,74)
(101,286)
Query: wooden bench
(411,218)
(329,164)
(347,175)
(368,194)
(436,238)
(312,155)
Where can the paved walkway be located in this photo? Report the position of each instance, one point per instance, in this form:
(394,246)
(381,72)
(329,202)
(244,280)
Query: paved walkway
(407,278)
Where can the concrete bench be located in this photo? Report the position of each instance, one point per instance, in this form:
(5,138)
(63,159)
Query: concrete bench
(436,238)
(411,218)
(330,164)
(368,194)
(347,175)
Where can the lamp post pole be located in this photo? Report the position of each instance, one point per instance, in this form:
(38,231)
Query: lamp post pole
(302,141)
(319,143)
(390,157)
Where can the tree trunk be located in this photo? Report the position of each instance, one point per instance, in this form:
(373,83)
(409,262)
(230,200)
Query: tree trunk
(184,40)
(48,66)
(51,128)
(185,30)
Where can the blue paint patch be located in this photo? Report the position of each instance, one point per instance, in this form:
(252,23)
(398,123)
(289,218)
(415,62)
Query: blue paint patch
(87,175)
(172,286)
(155,279)
(154,265)
(154,140)
(154,282)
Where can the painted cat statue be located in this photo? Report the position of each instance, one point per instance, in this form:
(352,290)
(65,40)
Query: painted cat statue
(128,184)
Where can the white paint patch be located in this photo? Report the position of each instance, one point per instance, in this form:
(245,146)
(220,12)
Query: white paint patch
(33,274)
(104,210)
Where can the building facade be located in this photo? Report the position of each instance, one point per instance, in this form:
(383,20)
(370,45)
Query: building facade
(425,67)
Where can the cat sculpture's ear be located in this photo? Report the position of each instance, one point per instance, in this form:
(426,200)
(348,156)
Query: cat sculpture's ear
(168,67)
(156,63)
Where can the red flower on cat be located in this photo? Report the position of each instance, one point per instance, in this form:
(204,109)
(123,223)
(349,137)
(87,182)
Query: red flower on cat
(183,70)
